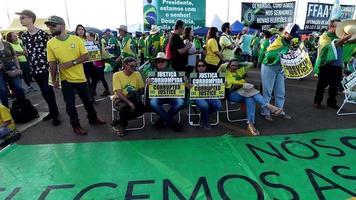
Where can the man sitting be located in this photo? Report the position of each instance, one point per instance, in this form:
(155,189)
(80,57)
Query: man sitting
(161,63)
(7,127)
(128,87)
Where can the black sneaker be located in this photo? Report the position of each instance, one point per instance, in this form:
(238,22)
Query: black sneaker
(47,117)
(177,127)
(55,121)
(159,124)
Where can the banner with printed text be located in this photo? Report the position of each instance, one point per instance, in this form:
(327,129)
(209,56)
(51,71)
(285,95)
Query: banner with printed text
(165,13)
(296,64)
(207,86)
(166,85)
(318,15)
(263,16)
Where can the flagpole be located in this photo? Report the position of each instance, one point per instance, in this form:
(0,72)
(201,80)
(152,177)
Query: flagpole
(228,10)
(66,7)
(8,13)
(125,13)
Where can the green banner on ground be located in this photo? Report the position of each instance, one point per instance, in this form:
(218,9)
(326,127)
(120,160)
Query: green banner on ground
(165,13)
(317,165)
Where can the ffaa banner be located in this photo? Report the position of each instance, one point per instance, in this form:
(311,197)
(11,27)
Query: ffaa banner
(296,64)
(318,15)
(207,86)
(264,15)
(167,85)
(165,13)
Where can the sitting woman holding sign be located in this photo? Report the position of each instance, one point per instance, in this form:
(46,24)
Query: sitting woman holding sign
(206,106)
(176,104)
(239,90)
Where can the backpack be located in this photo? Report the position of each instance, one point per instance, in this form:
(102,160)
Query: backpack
(23,111)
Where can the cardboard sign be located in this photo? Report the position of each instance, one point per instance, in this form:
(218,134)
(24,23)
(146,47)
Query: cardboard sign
(166,85)
(207,86)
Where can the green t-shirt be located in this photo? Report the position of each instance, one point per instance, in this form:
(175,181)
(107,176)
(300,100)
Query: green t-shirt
(114,42)
(18,48)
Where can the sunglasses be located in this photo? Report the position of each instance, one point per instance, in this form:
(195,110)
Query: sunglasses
(133,66)
(160,61)
(201,65)
(234,65)
(51,25)
(23,17)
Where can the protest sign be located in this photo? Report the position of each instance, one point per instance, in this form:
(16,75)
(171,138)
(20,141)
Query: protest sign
(166,85)
(264,15)
(207,86)
(94,51)
(165,13)
(296,64)
(318,15)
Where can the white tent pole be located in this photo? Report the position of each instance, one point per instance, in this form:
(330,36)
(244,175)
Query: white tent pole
(125,13)
(66,7)
(228,10)
(296,11)
(8,13)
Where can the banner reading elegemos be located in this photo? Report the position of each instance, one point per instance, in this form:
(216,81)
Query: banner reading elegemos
(166,85)
(207,86)
(165,13)
(296,64)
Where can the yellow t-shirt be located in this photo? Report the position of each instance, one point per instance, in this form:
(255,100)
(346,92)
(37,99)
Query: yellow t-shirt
(226,41)
(127,83)
(6,116)
(18,47)
(235,78)
(211,47)
(66,51)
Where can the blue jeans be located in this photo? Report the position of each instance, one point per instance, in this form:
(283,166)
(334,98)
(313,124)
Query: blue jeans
(15,85)
(250,105)
(157,107)
(4,131)
(272,80)
(207,106)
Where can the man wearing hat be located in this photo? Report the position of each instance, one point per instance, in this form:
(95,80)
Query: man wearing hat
(66,54)
(271,70)
(128,45)
(166,117)
(329,63)
(35,42)
(152,43)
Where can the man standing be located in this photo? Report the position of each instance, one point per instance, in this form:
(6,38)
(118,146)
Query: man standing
(128,44)
(152,43)
(272,74)
(329,65)
(178,50)
(35,41)
(226,42)
(245,43)
(70,53)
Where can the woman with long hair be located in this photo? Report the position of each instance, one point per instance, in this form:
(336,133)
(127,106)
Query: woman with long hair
(12,38)
(192,52)
(10,72)
(80,31)
(213,55)
(240,90)
(206,106)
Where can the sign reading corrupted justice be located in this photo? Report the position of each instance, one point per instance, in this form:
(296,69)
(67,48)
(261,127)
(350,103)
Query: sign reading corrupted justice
(264,15)
(166,85)
(165,13)
(94,51)
(296,64)
(311,166)
(318,15)
(207,86)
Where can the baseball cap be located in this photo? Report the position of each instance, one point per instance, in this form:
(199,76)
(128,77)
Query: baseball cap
(55,20)
(27,13)
(107,30)
(292,29)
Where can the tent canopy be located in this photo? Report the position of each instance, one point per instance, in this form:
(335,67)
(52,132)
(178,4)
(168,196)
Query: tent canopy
(16,26)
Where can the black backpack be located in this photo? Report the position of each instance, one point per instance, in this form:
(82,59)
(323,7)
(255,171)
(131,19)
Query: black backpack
(23,111)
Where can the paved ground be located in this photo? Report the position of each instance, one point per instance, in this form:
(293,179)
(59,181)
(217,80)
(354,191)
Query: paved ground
(298,105)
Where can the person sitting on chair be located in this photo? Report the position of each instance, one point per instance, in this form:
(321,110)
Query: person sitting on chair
(206,106)
(128,87)
(240,90)
(156,104)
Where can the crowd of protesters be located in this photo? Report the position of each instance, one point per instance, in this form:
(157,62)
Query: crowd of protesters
(62,57)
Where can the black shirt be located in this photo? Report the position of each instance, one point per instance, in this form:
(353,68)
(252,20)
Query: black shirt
(36,46)
(179,61)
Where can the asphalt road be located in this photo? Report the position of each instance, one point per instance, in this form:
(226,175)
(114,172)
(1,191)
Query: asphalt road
(299,100)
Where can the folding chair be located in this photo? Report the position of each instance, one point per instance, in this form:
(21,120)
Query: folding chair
(230,110)
(114,113)
(349,85)
(190,115)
